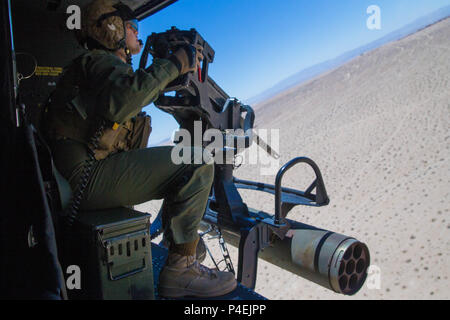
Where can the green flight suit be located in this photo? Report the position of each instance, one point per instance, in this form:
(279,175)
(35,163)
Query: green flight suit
(113,91)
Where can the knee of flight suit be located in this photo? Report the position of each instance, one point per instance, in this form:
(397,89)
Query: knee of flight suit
(197,174)
(185,155)
(207,172)
(207,166)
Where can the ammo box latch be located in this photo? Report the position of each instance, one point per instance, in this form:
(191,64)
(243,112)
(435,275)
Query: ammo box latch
(126,255)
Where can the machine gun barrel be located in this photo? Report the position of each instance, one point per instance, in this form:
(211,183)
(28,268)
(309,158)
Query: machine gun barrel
(331,260)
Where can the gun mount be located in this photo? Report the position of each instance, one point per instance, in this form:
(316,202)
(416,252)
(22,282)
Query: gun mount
(332,260)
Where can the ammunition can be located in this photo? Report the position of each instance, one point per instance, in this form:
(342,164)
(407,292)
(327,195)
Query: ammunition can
(111,250)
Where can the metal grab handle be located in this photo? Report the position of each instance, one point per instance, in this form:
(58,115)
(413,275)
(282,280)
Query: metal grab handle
(126,274)
(321,193)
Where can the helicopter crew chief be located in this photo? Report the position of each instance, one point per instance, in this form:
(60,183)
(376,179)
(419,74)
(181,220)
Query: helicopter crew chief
(99,93)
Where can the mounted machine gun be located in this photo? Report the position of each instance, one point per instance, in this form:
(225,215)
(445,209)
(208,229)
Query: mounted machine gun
(335,261)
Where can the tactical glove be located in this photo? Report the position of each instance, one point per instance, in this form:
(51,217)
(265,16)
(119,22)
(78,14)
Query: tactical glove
(187,58)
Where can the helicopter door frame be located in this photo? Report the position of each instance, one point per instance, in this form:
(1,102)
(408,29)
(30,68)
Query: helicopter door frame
(7,57)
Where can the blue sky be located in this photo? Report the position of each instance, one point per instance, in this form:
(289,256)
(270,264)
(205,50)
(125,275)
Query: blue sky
(260,42)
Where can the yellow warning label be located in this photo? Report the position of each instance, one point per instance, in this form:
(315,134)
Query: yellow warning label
(48,71)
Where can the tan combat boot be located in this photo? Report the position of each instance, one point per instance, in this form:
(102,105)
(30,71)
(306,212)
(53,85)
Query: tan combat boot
(184,276)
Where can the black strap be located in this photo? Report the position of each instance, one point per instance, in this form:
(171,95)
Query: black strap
(123,11)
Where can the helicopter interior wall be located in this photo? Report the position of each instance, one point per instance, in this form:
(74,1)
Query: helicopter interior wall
(44,46)
(29,266)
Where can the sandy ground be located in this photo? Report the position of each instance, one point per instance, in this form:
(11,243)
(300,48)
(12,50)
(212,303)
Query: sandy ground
(378,127)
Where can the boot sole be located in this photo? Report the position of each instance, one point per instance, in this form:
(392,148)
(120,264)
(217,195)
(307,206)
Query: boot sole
(182,292)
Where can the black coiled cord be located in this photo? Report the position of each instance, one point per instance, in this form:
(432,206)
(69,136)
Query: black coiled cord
(84,177)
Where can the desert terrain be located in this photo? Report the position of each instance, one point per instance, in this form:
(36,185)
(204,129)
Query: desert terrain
(378,127)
